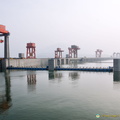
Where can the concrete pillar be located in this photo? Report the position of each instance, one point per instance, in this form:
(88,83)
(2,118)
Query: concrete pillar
(51,64)
(67,61)
(6,47)
(6,50)
(58,62)
(63,61)
(4,64)
(116,64)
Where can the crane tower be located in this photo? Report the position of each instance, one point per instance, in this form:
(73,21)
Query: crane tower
(31,52)
(58,53)
(98,53)
(73,51)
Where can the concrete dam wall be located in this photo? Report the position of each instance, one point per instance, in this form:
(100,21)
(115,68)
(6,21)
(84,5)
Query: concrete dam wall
(42,62)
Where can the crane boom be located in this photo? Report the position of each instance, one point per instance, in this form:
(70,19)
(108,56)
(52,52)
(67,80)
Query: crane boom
(2,29)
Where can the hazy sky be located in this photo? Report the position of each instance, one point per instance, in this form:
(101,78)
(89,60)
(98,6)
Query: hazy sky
(90,24)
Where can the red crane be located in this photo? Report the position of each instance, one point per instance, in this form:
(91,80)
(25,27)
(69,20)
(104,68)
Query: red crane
(5,34)
(3,30)
(31,52)
(58,53)
(73,51)
(1,41)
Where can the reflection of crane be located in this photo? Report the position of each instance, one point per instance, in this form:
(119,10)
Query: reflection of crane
(31,79)
(4,105)
(5,99)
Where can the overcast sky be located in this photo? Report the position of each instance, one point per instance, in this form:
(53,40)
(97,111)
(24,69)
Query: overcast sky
(90,24)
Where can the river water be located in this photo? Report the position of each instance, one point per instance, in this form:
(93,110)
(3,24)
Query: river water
(60,95)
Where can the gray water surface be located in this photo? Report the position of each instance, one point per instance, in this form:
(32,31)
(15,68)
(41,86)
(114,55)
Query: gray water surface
(59,95)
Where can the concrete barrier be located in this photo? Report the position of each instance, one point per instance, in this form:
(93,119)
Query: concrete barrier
(116,64)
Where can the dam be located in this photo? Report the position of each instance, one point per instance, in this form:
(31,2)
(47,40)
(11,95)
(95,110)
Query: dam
(43,62)
(30,61)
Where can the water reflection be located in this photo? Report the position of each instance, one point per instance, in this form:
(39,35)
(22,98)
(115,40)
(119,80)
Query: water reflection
(31,80)
(116,79)
(54,75)
(5,97)
(74,75)
(116,76)
(0,65)
(51,75)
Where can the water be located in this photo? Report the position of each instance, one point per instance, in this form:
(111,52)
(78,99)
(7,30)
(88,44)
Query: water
(59,95)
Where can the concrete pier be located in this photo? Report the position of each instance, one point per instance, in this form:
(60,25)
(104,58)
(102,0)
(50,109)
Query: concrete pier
(51,64)
(116,65)
(6,47)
